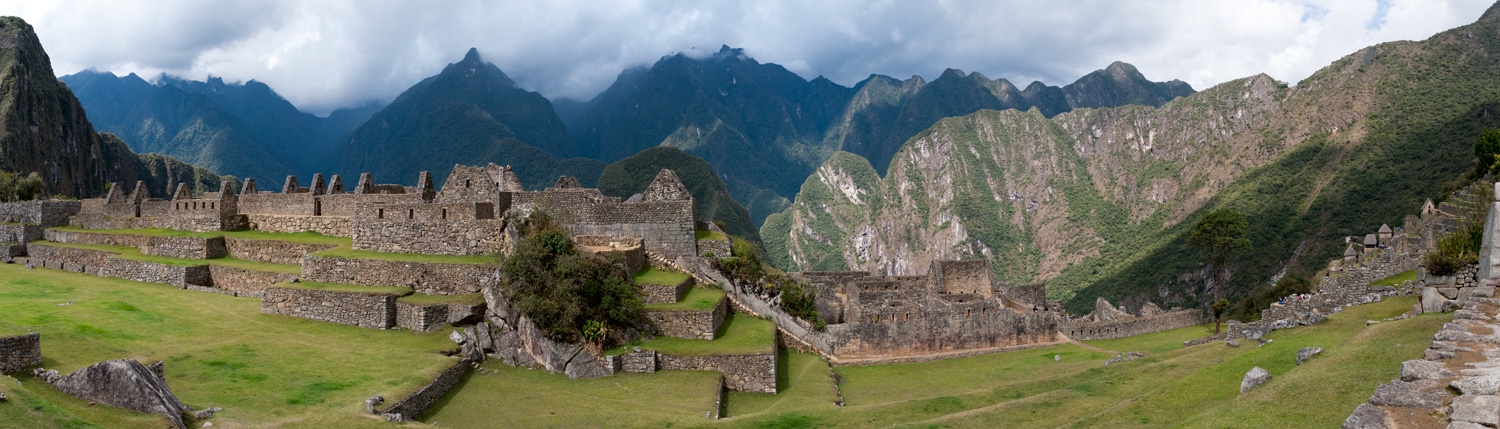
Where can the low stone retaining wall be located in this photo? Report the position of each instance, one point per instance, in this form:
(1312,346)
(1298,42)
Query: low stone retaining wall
(67,258)
(417,403)
(151,272)
(180,223)
(326,225)
(271,251)
(20,351)
(173,247)
(365,310)
(1132,326)
(246,282)
(713,249)
(421,318)
(426,278)
(663,294)
(745,373)
(692,324)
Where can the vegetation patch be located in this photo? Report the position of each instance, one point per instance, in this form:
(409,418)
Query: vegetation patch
(705,234)
(653,276)
(1397,279)
(697,299)
(739,335)
(569,295)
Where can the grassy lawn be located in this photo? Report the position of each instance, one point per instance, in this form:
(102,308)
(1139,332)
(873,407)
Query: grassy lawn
(1397,279)
(739,335)
(132,253)
(802,383)
(339,287)
(698,298)
(652,276)
(704,234)
(1156,342)
(421,299)
(504,396)
(265,370)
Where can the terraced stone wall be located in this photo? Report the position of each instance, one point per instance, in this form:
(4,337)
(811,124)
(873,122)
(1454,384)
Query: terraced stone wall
(20,351)
(245,282)
(1083,331)
(421,318)
(19,233)
(426,278)
(417,403)
(691,324)
(174,247)
(152,272)
(337,226)
(941,328)
(663,294)
(40,213)
(434,229)
(180,223)
(67,258)
(365,310)
(271,251)
(745,373)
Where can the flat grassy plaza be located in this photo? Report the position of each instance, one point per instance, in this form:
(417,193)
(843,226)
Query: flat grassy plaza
(274,371)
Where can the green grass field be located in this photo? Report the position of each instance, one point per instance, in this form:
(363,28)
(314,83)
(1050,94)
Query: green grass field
(698,298)
(704,234)
(653,276)
(273,371)
(265,370)
(1397,279)
(739,335)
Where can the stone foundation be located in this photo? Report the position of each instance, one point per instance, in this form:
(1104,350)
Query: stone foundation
(426,278)
(662,294)
(271,251)
(414,405)
(745,373)
(365,310)
(692,324)
(326,225)
(20,351)
(245,282)
(172,247)
(151,272)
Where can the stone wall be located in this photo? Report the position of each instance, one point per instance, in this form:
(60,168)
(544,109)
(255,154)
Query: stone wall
(435,229)
(414,405)
(421,318)
(20,351)
(67,258)
(663,294)
(245,282)
(928,329)
(180,223)
(174,247)
(327,225)
(40,213)
(152,272)
(746,373)
(669,239)
(692,324)
(1088,331)
(714,248)
(426,278)
(271,251)
(19,233)
(630,251)
(365,310)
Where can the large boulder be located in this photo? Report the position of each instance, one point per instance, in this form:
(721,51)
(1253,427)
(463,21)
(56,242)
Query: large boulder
(124,383)
(1481,409)
(1418,369)
(1307,353)
(1366,416)
(1257,376)
(1433,301)
(1481,385)
(1406,394)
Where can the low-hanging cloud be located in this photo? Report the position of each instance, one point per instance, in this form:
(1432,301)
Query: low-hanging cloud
(326,54)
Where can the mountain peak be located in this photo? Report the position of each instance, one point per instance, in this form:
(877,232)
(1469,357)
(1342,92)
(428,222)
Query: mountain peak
(952,73)
(1122,71)
(472,56)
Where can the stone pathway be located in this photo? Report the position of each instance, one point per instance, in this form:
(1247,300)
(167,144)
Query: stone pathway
(1464,359)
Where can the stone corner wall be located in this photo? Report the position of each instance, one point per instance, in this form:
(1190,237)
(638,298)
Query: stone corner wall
(746,373)
(691,324)
(663,294)
(422,277)
(245,282)
(713,248)
(417,403)
(421,318)
(364,310)
(1088,331)
(20,351)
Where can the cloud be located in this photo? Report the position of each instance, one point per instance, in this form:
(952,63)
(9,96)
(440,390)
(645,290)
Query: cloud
(326,54)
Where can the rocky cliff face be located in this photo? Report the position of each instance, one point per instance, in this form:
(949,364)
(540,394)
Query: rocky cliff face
(1096,201)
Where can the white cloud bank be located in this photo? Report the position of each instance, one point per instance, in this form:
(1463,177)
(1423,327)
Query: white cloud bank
(326,54)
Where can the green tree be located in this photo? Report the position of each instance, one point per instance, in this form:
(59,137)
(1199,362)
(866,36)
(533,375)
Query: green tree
(1221,233)
(569,295)
(1486,146)
(15,187)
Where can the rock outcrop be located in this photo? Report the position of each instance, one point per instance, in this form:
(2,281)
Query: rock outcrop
(517,341)
(124,383)
(1255,377)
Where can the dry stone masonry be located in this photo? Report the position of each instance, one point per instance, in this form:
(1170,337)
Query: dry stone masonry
(691,324)
(424,277)
(363,309)
(17,352)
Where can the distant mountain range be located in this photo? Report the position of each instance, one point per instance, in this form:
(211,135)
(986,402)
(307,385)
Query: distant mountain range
(762,128)
(43,129)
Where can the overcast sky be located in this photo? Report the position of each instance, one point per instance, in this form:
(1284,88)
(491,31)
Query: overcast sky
(326,54)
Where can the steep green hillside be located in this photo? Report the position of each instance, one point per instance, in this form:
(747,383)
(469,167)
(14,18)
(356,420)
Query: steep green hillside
(43,129)
(1097,201)
(711,198)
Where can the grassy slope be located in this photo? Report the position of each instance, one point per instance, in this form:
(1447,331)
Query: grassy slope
(499,395)
(263,369)
(698,298)
(740,334)
(653,276)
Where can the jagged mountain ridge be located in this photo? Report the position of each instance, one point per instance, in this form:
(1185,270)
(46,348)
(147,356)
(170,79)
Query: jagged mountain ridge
(44,129)
(471,113)
(1097,201)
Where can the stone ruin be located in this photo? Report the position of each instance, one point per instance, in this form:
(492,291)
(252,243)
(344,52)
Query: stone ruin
(1107,322)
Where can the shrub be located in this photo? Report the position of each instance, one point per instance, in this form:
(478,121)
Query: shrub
(746,267)
(15,187)
(570,296)
(1454,250)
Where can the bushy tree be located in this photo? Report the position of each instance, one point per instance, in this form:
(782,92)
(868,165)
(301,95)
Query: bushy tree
(570,296)
(1486,147)
(745,266)
(1221,233)
(15,187)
